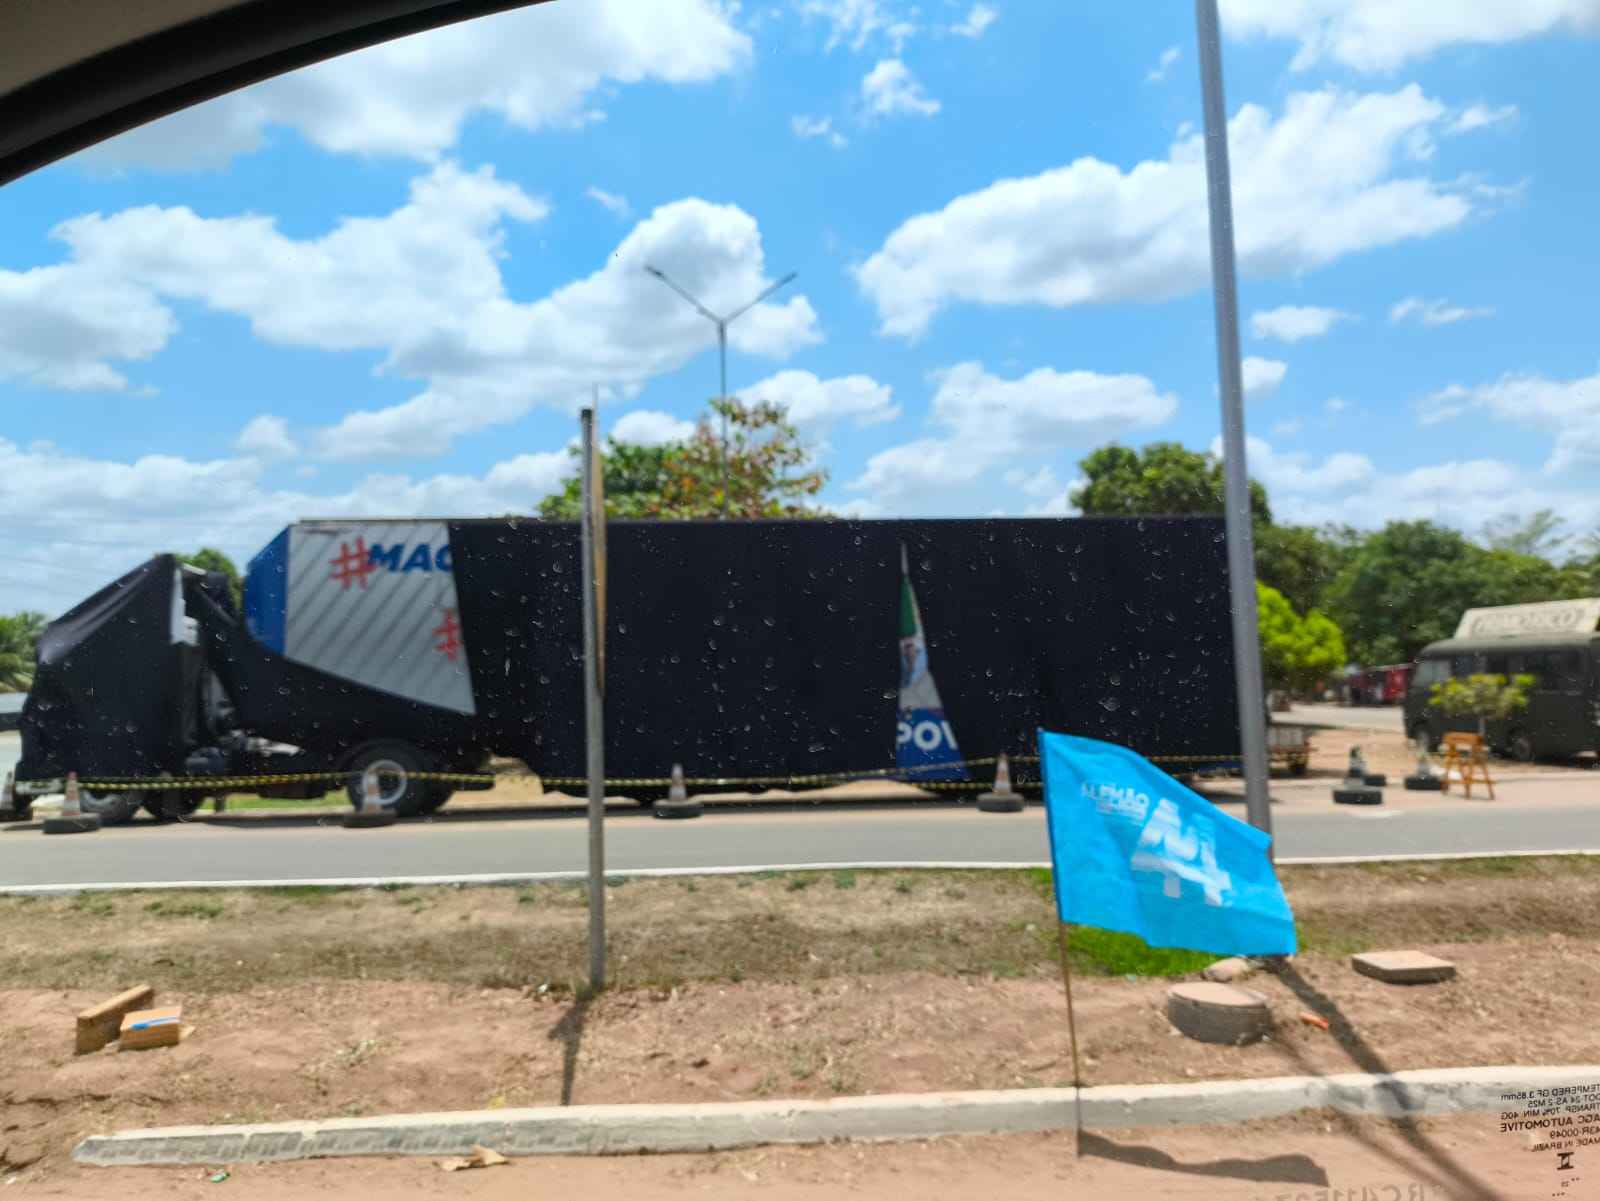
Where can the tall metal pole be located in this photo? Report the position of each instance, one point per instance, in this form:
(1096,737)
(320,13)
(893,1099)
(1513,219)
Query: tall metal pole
(594,716)
(722,350)
(1241,543)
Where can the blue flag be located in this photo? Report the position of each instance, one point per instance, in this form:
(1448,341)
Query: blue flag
(1135,850)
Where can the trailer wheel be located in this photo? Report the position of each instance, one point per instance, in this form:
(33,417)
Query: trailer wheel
(172,805)
(396,765)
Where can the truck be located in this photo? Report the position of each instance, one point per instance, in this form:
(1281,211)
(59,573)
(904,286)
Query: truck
(797,651)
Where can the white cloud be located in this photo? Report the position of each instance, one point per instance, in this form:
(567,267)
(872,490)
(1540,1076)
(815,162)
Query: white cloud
(1478,116)
(80,521)
(1570,409)
(1336,404)
(890,90)
(983,422)
(651,427)
(818,127)
(1380,35)
(62,326)
(266,437)
(1434,312)
(855,23)
(977,22)
(1169,56)
(422,286)
(814,404)
(615,204)
(1316,184)
(1262,376)
(534,68)
(1297,471)
(1293,323)
(1288,428)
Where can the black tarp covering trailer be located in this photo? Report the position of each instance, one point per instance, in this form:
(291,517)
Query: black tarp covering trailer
(737,649)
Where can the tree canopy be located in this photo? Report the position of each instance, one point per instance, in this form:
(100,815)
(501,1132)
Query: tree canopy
(1160,478)
(770,471)
(208,558)
(19,635)
(1296,652)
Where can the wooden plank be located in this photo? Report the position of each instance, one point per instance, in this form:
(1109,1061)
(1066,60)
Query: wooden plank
(102,1023)
(147,1028)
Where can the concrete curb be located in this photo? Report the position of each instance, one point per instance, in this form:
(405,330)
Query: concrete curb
(623,1129)
(491,879)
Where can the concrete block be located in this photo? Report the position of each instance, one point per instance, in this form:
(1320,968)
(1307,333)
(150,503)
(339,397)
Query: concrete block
(1403,967)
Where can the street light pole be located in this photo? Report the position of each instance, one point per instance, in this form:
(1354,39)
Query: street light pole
(1236,479)
(722,324)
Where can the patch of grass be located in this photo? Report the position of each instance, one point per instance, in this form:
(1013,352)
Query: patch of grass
(200,908)
(394,888)
(903,886)
(800,883)
(93,904)
(527,896)
(1109,953)
(844,879)
(302,894)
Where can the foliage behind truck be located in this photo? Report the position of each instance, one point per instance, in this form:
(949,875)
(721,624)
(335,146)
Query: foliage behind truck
(737,649)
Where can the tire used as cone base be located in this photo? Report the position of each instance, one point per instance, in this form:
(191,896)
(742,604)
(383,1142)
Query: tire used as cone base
(1424,784)
(81,823)
(368,819)
(1358,794)
(999,802)
(670,810)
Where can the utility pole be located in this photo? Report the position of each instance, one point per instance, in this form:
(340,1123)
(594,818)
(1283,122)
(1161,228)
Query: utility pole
(722,324)
(1236,476)
(591,544)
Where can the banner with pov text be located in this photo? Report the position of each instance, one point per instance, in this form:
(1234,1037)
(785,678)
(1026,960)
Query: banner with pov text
(1134,850)
(925,745)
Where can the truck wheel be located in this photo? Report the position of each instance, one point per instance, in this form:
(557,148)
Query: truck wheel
(396,765)
(172,805)
(113,808)
(437,795)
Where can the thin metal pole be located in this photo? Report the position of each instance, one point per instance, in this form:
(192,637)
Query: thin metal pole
(1241,543)
(722,348)
(594,716)
(1072,1034)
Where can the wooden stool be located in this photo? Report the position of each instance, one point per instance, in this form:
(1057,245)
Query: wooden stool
(1466,754)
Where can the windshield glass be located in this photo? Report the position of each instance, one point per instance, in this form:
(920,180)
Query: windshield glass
(776,563)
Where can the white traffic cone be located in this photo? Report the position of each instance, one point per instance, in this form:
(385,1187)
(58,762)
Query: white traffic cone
(678,802)
(1001,798)
(72,819)
(371,812)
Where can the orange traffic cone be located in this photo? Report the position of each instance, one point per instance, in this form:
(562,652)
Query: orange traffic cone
(1001,799)
(72,819)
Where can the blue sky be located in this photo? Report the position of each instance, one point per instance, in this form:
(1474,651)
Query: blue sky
(384,285)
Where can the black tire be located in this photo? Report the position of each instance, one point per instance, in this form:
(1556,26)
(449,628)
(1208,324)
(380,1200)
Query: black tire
(1358,796)
(1520,747)
(172,805)
(1424,784)
(398,788)
(112,808)
(1375,779)
(437,795)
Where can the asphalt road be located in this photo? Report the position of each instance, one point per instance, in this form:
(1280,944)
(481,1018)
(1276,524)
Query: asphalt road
(1388,719)
(468,843)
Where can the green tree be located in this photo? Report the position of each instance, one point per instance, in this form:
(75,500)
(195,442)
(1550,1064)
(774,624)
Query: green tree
(1535,534)
(1296,652)
(1161,478)
(208,558)
(19,640)
(1486,697)
(770,472)
(1300,562)
(1408,584)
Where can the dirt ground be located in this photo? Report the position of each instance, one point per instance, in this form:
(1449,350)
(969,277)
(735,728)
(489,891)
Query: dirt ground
(312,1003)
(1309,1158)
